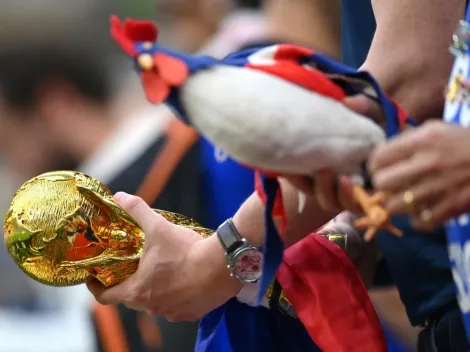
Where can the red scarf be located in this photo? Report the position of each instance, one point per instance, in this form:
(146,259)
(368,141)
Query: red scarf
(327,293)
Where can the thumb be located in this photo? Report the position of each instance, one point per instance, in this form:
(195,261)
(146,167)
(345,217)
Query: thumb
(146,217)
(365,106)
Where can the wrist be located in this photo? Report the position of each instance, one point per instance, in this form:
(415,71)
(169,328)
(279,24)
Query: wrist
(215,254)
(253,234)
(407,88)
(244,292)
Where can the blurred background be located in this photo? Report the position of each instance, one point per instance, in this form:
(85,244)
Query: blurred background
(69,99)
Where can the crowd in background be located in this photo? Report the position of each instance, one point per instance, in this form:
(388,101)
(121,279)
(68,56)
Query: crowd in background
(81,120)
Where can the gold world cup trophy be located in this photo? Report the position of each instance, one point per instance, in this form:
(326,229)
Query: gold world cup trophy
(63,228)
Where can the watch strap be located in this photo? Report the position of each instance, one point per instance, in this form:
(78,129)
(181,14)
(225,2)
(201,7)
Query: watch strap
(276,291)
(229,236)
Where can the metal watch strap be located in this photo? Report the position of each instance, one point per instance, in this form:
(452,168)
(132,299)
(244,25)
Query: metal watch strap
(228,235)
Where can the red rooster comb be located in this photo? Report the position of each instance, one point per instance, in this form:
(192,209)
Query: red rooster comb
(159,72)
(129,32)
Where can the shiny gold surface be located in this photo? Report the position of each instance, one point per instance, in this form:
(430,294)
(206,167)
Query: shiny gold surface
(340,239)
(63,227)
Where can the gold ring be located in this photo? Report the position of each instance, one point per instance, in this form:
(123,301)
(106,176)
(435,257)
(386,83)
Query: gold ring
(426,216)
(408,198)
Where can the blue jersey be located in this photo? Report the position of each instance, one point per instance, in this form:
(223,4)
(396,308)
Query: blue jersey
(226,184)
(356,39)
(458,229)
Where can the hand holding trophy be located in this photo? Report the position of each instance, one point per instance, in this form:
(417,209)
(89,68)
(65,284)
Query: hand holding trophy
(64,228)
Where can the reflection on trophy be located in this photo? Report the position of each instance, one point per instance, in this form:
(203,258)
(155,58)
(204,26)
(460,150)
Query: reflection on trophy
(63,228)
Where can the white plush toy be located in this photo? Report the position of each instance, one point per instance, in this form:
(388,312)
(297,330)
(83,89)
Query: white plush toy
(279,109)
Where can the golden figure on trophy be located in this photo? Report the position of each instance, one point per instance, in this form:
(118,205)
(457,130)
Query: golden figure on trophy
(63,228)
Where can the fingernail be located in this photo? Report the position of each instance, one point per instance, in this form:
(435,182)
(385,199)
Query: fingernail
(120,196)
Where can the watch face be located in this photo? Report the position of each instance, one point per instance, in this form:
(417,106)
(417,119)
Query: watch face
(247,264)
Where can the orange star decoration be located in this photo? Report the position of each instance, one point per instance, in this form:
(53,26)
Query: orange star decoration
(376,216)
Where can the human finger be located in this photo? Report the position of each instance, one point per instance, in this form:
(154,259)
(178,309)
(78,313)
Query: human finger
(365,106)
(326,190)
(346,196)
(407,144)
(427,191)
(397,149)
(302,183)
(105,295)
(404,172)
(146,217)
(451,204)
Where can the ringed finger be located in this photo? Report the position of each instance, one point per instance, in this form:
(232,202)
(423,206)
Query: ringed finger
(452,204)
(427,191)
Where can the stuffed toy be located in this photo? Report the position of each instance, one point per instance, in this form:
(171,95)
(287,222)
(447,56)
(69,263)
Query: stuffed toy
(279,110)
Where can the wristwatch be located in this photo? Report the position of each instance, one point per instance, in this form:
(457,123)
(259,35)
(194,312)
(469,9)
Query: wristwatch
(244,260)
